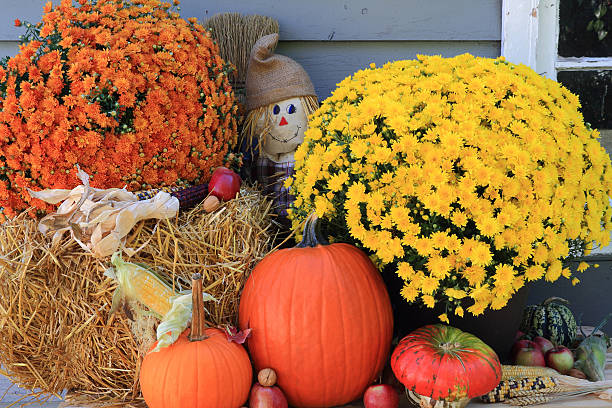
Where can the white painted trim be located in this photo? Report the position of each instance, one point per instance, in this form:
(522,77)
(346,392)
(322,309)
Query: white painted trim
(519,37)
(548,38)
(583,63)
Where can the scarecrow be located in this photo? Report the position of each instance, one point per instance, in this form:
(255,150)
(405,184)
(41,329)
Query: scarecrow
(279,98)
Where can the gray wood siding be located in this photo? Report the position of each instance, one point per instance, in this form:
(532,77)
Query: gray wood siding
(330,62)
(331,38)
(322,20)
(24,10)
(366,20)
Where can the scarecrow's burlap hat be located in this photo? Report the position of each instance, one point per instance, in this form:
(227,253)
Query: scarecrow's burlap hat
(272,77)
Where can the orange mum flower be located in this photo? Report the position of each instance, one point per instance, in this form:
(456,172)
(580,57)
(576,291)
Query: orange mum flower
(138,98)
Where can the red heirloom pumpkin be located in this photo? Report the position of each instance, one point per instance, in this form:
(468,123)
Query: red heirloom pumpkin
(321,318)
(440,362)
(202,369)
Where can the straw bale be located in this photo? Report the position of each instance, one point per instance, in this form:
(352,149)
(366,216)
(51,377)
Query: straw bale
(55,330)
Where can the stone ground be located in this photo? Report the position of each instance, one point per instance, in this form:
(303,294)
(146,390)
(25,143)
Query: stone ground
(14,394)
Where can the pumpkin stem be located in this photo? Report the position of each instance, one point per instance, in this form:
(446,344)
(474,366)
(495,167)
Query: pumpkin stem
(428,402)
(449,346)
(198,322)
(555,299)
(312,234)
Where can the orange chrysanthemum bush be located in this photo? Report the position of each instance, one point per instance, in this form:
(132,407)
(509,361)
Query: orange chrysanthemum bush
(466,176)
(126,89)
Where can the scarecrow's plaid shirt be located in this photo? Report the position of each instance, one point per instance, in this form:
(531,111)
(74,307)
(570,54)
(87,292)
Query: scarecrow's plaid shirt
(271,176)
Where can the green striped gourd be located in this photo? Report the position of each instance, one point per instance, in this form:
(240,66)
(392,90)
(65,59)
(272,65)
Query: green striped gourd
(552,320)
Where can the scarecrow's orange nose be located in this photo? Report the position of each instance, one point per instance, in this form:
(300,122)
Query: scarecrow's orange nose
(283,122)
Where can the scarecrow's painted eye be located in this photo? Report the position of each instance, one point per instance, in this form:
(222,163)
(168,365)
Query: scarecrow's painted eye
(291,108)
(276,109)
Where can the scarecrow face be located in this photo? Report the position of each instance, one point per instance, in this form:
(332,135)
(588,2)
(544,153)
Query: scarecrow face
(285,132)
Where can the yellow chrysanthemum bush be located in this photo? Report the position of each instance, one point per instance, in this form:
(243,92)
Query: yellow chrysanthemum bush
(467,176)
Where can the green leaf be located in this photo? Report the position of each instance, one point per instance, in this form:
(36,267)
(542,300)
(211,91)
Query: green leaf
(590,25)
(598,25)
(602,34)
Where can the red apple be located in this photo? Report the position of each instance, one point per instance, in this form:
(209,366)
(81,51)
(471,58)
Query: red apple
(519,345)
(543,344)
(530,356)
(519,335)
(381,396)
(560,358)
(267,397)
(224,184)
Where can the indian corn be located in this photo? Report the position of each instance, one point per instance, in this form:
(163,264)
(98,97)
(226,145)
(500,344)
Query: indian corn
(517,371)
(519,387)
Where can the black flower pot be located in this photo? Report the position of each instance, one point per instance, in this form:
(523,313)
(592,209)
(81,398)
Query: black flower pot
(497,328)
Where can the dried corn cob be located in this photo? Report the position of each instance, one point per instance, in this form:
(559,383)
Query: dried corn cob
(188,196)
(146,194)
(141,284)
(509,388)
(517,371)
(544,398)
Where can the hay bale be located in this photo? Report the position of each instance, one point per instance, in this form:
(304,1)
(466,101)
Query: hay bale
(55,329)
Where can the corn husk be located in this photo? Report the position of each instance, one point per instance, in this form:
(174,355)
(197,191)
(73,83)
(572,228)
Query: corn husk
(100,220)
(176,320)
(56,331)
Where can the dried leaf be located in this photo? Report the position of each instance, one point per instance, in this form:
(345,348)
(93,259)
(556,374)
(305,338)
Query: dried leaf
(236,336)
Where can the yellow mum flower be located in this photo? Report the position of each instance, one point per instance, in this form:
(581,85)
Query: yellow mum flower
(439,266)
(459,311)
(450,164)
(405,270)
(336,181)
(429,285)
(504,274)
(474,274)
(583,266)
(409,292)
(429,301)
(454,293)
(534,272)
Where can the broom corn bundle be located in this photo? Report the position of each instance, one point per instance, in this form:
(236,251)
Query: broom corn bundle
(236,34)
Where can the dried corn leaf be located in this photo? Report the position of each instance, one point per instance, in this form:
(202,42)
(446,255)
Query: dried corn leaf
(100,220)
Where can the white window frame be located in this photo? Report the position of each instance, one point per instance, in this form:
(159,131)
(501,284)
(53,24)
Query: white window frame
(530,36)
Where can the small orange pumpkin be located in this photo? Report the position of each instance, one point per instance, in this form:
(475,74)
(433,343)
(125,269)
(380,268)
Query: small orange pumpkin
(202,369)
(320,317)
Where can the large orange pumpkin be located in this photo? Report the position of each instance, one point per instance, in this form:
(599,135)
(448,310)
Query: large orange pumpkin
(321,318)
(202,369)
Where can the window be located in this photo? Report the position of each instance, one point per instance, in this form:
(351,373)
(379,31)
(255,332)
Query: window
(562,40)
